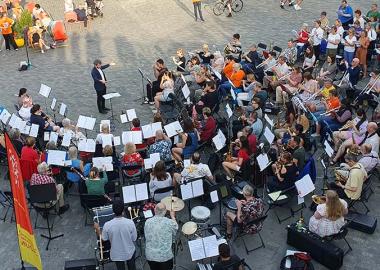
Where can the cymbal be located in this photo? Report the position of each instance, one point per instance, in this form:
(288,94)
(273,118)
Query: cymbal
(189,228)
(176,204)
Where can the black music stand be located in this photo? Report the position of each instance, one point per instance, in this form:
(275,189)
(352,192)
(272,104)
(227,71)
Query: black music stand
(110,96)
(144,98)
(44,194)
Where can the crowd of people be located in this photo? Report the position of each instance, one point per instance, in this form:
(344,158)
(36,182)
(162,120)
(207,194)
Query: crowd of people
(312,103)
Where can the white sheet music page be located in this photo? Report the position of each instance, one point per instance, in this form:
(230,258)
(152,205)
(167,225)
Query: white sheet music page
(81,123)
(329,150)
(154,158)
(44,90)
(116,140)
(81,145)
(211,246)
(131,114)
(111,95)
(156,126)
(170,129)
(62,109)
(186,191)
(4,116)
(129,194)
(66,139)
(13,121)
(269,121)
(141,192)
(53,137)
(137,137)
(26,129)
(34,130)
(90,145)
(214,196)
(197,250)
(53,103)
(56,157)
(304,186)
(147,131)
(126,137)
(123,118)
(186,91)
(106,139)
(229,111)
(263,161)
(46,136)
(233,93)
(268,135)
(197,188)
(20,125)
(148,164)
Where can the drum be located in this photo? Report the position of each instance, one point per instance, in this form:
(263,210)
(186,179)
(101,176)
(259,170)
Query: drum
(173,203)
(200,214)
(189,228)
(231,204)
(103,214)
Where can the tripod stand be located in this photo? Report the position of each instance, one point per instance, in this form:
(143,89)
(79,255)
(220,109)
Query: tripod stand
(144,98)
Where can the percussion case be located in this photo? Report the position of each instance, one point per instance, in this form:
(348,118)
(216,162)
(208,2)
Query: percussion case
(361,222)
(83,264)
(326,253)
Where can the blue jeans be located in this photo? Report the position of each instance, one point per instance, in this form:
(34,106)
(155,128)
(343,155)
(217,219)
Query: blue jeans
(348,56)
(247,67)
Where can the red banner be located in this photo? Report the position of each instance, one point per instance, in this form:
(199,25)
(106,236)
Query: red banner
(27,243)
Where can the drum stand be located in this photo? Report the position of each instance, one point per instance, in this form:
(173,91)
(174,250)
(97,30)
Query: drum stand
(178,244)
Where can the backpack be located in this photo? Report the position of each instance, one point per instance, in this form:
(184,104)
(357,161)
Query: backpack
(298,261)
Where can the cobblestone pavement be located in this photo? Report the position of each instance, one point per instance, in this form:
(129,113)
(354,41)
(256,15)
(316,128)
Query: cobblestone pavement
(134,34)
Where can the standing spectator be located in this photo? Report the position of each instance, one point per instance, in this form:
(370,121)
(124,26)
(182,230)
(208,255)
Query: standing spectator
(160,233)
(333,40)
(37,11)
(362,51)
(122,234)
(317,36)
(198,7)
(6,24)
(349,46)
(324,21)
(345,14)
(358,17)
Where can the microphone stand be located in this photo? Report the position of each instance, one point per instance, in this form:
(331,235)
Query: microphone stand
(144,98)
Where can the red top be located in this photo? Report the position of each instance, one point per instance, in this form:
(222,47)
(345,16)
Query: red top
(138,146)
(208,129)
(28,153)
(132,159)
(303,37)
(252,141)
(243,154)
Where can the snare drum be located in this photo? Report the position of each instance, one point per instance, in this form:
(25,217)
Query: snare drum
(200,214)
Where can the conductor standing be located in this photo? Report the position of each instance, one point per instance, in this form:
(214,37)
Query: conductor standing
(100,81)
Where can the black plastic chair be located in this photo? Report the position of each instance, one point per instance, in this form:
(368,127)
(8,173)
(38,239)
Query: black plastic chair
(45,195)
(89,202)
(262,46)
(161,191)
(127,179)
(6,200)
(341,235)
(277,49)
(241,233)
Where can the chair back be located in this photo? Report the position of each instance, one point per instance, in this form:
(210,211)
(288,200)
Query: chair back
(262,46)
(43,193)
(28,167)
(162,191)
(309,169)
(234,265)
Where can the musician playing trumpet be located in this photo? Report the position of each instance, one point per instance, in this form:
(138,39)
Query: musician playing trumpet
(290,86)
(277,72)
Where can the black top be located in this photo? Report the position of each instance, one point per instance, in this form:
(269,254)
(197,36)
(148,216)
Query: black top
(206,59)
(182,66)
(231,264)
(18,146)
(290,176)
(210,99)
(38,120)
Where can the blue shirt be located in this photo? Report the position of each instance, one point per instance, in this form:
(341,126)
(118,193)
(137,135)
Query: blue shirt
(346,11)
(257,127)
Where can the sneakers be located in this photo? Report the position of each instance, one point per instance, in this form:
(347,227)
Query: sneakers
(297,7)
(42,51)
(63,209)
(229,15)
(16,49)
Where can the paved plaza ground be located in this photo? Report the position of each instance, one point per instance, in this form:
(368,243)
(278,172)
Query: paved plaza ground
(134,33)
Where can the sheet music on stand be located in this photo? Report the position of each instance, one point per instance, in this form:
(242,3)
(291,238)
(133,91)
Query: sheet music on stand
(111,95)
(101,162)
(229,111)
(26,129)
(328,149)
(86,122)
(87,145)
(150,130)
(131,114)
(233,94)
(56,157)
(304,186)
(4,116)
(219,140)
(53,137)
(186,91)
(14,121)
(44,90)
(135,193)
(106,139)
(269,121)
(173,129)
(134,137)
(34,130)
(203,248)
(116,140)
(66,139)
(263,161)
(53,103)
(62,109)
(150,162)
(268,135)
(192,190)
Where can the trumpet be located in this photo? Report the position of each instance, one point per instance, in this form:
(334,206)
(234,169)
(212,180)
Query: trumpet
(319,199)
(284,77)
(274,66)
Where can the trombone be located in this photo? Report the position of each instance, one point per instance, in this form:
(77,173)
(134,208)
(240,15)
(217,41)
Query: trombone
(284,77)
(344,78)
(330,111)
(269,68)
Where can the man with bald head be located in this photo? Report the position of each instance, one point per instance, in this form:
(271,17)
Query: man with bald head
(369,159)
(371,137)
(160,233)
(353,73)
(162,145)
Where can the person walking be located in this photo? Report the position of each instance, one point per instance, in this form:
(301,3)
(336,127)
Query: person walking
(100,81)
(198,6)
(6,24)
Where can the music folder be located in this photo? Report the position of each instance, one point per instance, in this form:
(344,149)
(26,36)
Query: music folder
(135,193)
(44,90)
(192,189)
(205,247)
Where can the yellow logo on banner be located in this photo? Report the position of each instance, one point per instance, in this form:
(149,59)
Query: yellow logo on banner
(28,248)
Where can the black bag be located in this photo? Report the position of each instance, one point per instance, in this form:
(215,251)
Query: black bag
(84,264)
(298,261)
(213,162)
(326,253)
(361,222)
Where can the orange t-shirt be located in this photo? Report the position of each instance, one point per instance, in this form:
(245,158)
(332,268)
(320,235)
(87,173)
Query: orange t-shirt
(333,103)
(237,77)
(6,25)
(228,69)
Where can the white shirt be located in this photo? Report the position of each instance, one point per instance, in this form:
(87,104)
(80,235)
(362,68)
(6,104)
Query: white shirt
(333,38)
(374,141)
(361,21)
(372,35)
(24,113)
(308,62)
(282,69)
(350,41)
(101,73)
(317,34)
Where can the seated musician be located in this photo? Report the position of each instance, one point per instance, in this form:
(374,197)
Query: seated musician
(24,111)
(44,177)
(353,74)
(205,55)
(94,183)
(309,60)
(16,139)
(355,128)
(233,164)
(45,123)
(29,152)
(228,67)
(252,138)
(76,163)
(374,85)
(298,152)
(352,188)
(209,98)
(195,170)
(168,88)
(279,71)
(250,59)
(328,219)
(159,178)
(104,131)
(290,120)
(334,120)
(73,130)
(328,70)
(109,151)
(35,37)
(235,81)
(136,126)
(253,121)
(290,53)
(22,93)
(233,48)
(308,87)
(162,145)
(249,86)
(131,158)
(370,137)
(188,141)
(208,126)
(369,158)
(226,260)
(325,105)
(289,86)
(218,62)
(248,209)
(159,69)
(285,173)
(193,65)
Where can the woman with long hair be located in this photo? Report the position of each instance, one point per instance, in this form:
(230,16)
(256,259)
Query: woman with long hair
(308,62)
(285,173)
(95,184)
(188,141)
(328,219)
(159,178)
(236,163)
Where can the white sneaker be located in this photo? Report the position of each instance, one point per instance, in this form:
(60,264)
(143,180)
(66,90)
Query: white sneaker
(297,7)
(42,51)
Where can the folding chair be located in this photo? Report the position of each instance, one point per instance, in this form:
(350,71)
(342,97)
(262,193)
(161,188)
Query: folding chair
(6,201)
(362,200)
(161,191)
(242,233)
(131,179)
(43,199)
(277,49)
(91,201)
(341,235)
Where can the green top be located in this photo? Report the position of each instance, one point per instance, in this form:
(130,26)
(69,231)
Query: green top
(375,14)
(96,187)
